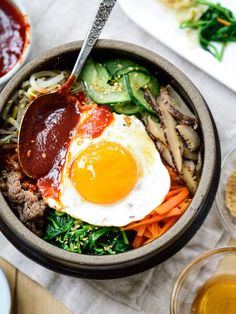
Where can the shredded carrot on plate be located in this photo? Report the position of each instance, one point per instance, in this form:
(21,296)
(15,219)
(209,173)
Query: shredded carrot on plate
(223,22)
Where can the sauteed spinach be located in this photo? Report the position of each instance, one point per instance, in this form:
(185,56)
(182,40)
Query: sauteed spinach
(76,236)
(217,25)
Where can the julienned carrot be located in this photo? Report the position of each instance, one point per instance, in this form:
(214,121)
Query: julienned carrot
(143,222)
(176,211)
(148,234)
(161,231)
(150,229)
(223,22)
(167,225)
(172,202)
(164,216)
(141,230)
(155,230)
(174,192)
(137,242)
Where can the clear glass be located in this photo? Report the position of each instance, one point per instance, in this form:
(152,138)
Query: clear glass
(228,166)
(212,263)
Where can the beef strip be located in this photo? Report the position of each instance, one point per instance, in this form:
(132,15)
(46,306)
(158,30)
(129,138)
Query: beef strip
(29,205)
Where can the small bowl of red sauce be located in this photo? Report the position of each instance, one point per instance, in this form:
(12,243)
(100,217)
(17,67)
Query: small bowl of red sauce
(14,38)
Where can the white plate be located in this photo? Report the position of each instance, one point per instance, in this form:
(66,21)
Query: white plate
(5,295)
(162,23)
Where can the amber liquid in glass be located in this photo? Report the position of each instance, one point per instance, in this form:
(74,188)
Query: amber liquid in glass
(217,296)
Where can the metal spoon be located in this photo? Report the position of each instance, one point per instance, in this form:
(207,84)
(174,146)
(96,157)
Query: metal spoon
(49,119)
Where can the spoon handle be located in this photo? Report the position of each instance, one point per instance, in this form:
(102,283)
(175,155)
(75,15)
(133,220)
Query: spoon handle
(94,32)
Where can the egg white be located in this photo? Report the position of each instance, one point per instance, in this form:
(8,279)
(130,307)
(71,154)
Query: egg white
(152,186)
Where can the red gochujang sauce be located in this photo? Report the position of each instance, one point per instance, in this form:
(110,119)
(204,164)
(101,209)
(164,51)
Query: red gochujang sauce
(13,30)
(97,120)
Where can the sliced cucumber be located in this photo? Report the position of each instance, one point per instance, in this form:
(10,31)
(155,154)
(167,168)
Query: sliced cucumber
(154,86)
(126,93)
(120,67)
(128,108)
(96,78)
(114,65)
(136,84)
(138,80)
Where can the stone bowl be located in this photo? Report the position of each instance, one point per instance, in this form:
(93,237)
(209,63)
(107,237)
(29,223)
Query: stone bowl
(138,260)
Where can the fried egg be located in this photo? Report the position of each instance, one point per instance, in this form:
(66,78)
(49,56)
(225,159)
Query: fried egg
(112,175)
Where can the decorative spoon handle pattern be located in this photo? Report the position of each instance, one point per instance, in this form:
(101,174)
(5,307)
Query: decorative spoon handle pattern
(93,34)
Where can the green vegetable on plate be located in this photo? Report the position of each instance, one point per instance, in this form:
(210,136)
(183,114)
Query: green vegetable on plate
(216,28)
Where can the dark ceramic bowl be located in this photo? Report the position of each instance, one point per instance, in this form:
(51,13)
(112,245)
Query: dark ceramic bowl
(134,261)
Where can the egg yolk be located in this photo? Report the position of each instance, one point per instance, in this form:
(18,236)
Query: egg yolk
(104,173)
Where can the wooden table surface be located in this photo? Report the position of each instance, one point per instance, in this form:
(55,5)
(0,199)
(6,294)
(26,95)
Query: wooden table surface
(28,297)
